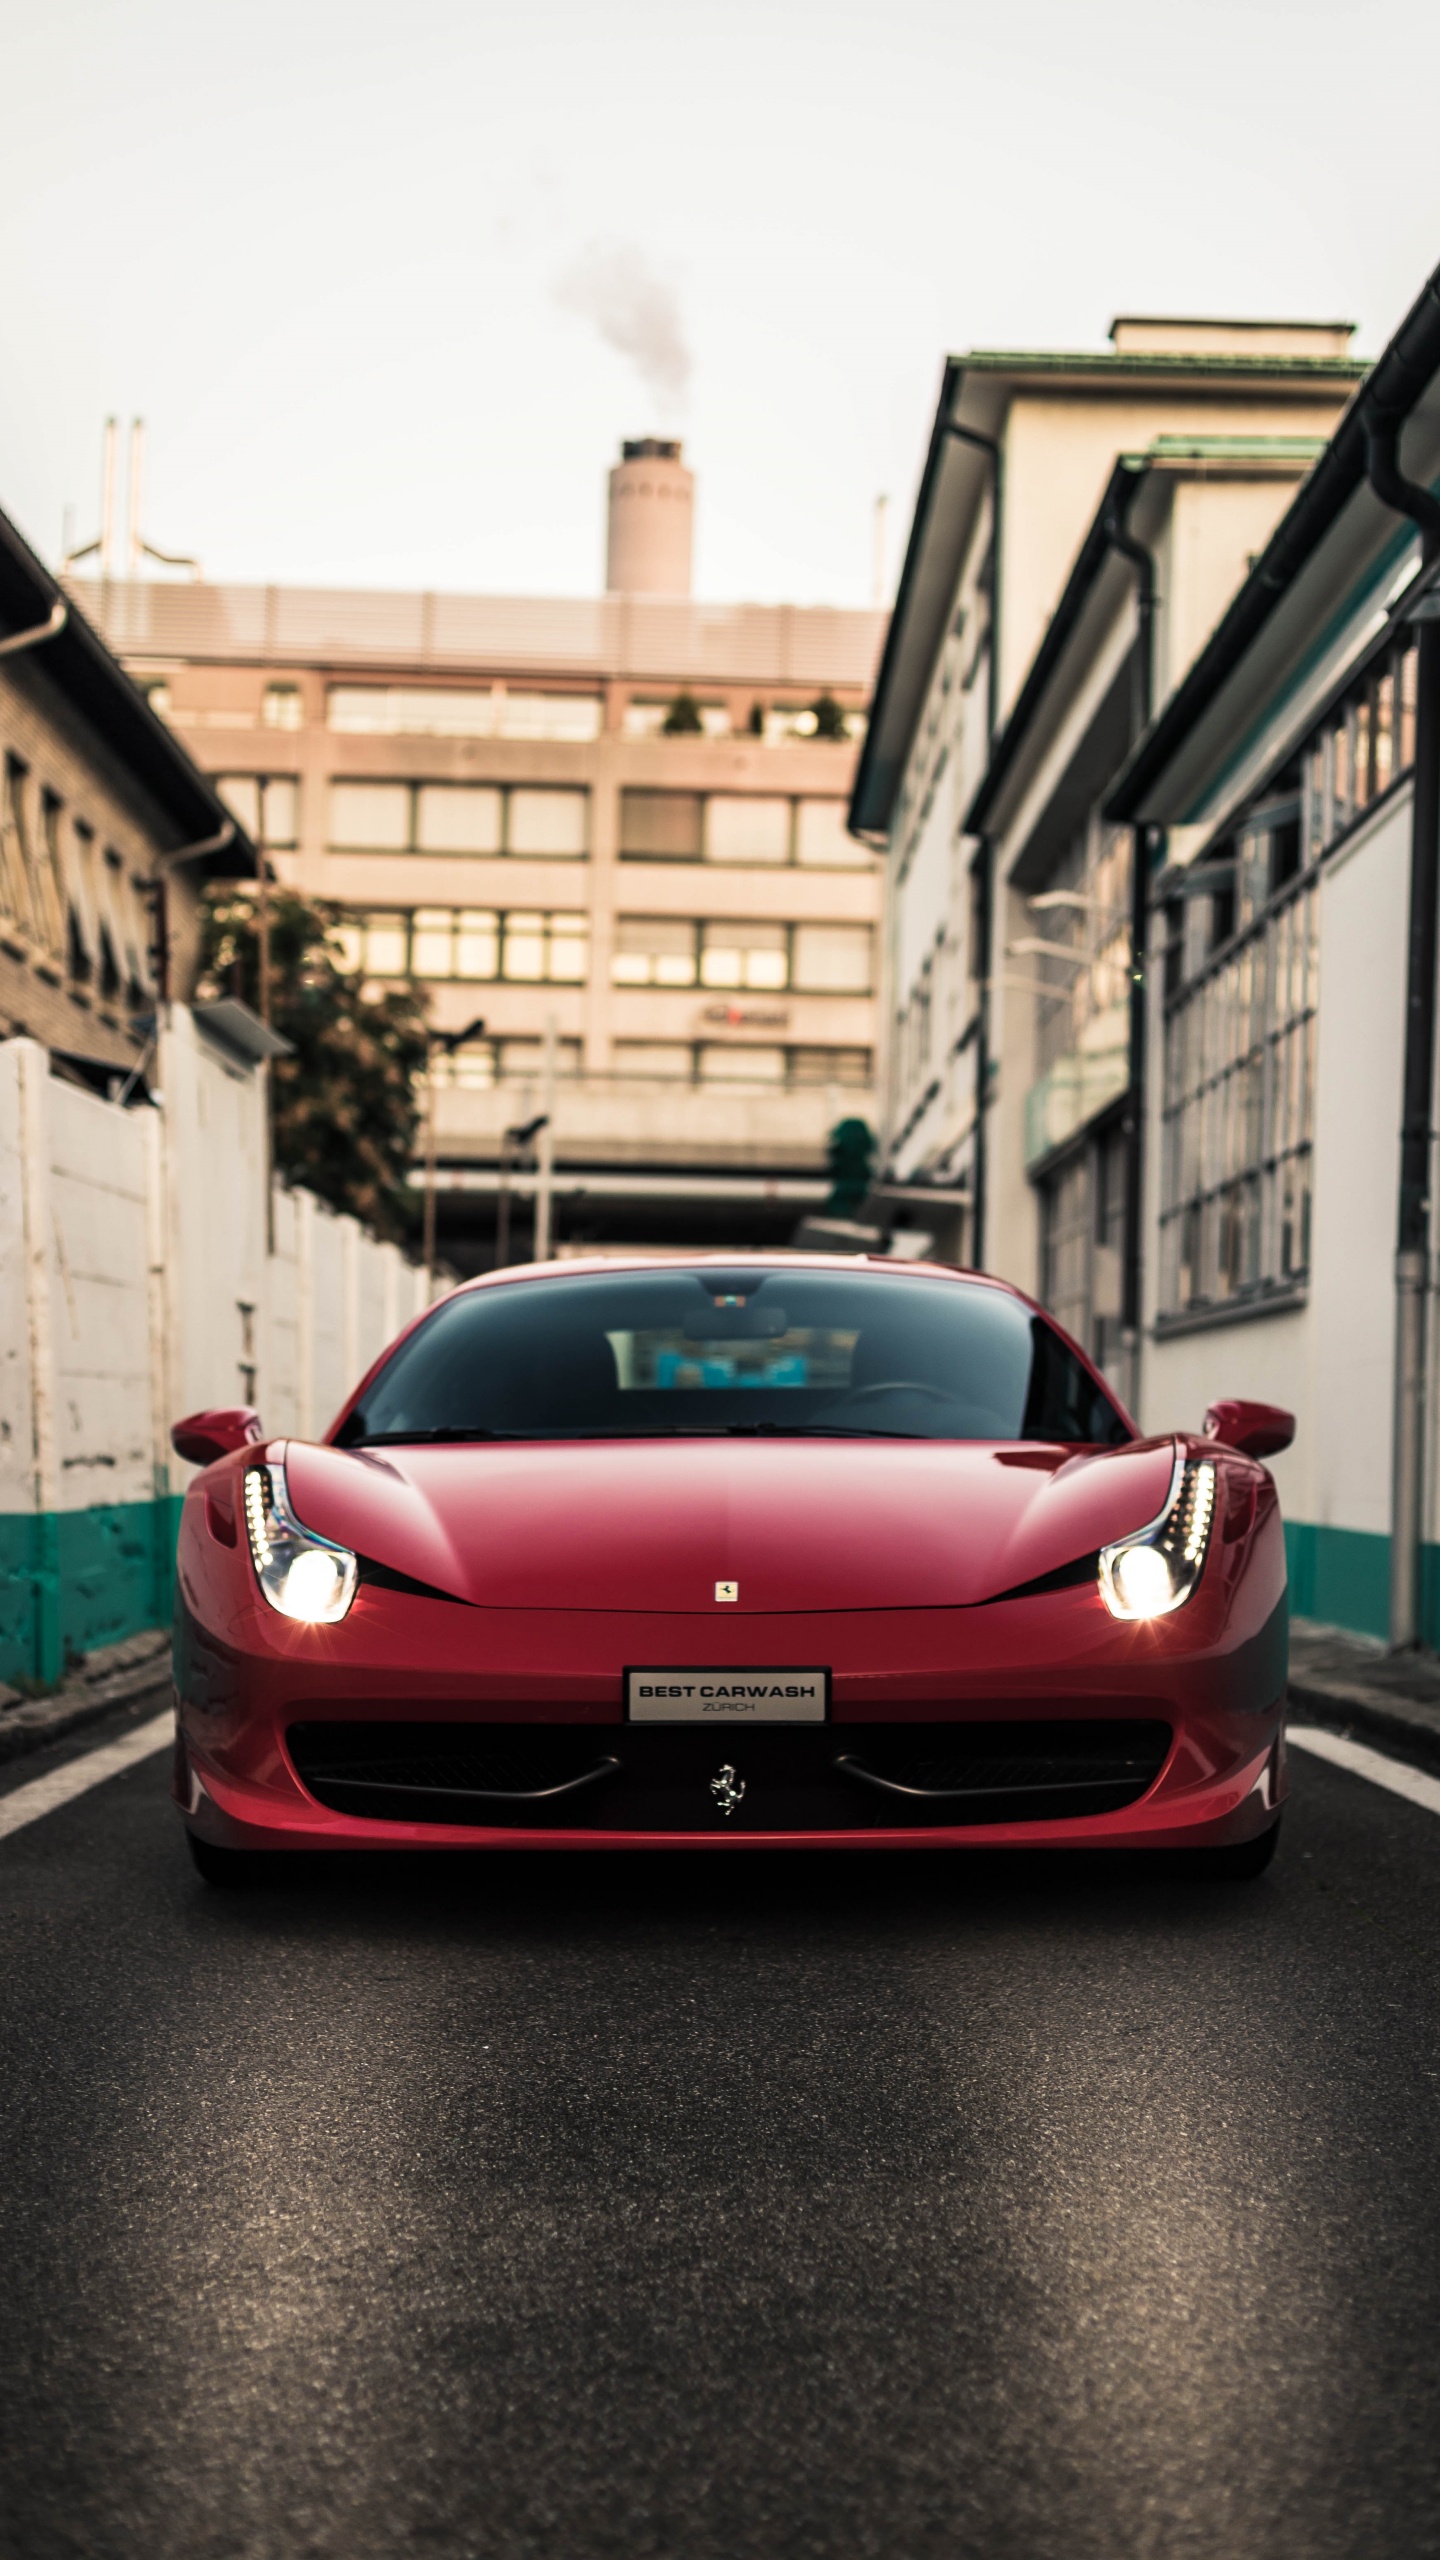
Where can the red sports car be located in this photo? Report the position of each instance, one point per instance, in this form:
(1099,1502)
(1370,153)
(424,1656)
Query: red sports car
(774,1551)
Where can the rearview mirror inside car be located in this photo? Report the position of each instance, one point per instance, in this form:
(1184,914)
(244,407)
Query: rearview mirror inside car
(204,1437)
(1256,1430)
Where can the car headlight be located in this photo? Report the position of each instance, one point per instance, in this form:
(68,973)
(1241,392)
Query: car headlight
(302,1576)
(1156,1570)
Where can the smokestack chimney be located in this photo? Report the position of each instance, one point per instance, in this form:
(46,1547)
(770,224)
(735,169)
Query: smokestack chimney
(650,526)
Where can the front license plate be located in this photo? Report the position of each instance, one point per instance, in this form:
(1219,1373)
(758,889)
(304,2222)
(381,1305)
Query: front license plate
(730,1696)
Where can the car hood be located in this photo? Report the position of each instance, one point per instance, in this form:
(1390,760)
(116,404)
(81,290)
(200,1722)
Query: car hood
(797,1524)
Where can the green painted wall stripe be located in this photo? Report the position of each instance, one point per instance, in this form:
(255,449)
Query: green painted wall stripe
(1342,1577)
(72,1580)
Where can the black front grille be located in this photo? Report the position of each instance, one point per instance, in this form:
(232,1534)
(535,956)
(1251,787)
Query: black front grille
(795,1777)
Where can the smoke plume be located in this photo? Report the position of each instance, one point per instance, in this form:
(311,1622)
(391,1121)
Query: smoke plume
(636,313)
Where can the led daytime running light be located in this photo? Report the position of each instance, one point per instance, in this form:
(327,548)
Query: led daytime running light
(1178,1541)
(306,1578)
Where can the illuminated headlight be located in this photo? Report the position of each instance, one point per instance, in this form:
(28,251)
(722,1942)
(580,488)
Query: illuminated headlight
(1158,1569)
(302,1576)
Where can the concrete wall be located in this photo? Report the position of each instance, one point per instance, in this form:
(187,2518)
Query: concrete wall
(137,1283)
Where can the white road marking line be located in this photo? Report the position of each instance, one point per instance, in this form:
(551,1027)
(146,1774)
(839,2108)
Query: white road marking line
(1358,1757)
(45,1795)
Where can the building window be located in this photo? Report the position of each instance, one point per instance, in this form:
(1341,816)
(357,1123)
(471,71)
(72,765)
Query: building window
(481,1064)
(456,711)
(266,805)
(546,822)
(823,841)
(478,818)
(677,951)
(747,829)
(1082,1240)
(50,879)
(739,828)
(14,868)
(756,956)
(282,706)
(830,1066)
(1367,742)
(82,910)
(833,959)
(660,826)
(449,817)
(654,951)
(1238,1108)
(477,943)
(725,1062)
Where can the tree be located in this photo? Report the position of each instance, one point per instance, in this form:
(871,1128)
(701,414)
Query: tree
(829,718)
(682,720)
(346,1104)
(850,1152)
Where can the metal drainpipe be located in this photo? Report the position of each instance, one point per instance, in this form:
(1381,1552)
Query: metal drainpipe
(1131,1309)
(1412,1251)
(985,856)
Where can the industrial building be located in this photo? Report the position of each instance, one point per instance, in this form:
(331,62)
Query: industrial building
(609,833)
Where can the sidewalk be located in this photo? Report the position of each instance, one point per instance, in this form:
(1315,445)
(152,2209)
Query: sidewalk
(1351,1684)
(116,1676)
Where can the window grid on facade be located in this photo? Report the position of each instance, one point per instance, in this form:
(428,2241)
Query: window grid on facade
(1238,1116)
(741,1062)
(760,957)
(477,1065)
(266,805)
(1364,745)
(462,711)
(522,946)
(476,818)
(1241,975)
(741,829)
(1085,911)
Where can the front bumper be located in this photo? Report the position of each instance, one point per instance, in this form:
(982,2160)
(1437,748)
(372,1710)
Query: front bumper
(910,1690)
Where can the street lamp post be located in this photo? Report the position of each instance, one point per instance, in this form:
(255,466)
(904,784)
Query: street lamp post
(511,1145)
(449,1042)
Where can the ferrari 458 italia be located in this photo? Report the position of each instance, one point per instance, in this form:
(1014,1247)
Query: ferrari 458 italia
(771,1552)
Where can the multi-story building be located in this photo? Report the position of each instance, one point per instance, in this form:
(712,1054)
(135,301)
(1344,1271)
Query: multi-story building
(108,834)
(613,828)
(1291,1158)
(1081,524)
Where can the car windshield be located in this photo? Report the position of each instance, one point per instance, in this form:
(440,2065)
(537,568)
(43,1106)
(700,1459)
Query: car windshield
(649,1354)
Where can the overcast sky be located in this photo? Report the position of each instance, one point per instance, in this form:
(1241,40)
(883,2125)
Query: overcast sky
(389,282)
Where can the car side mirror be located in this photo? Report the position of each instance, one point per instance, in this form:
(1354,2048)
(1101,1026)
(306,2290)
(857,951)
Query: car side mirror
(1256,1430)
(204,1437)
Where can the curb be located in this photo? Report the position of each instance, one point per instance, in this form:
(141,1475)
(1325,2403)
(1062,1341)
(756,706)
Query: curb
(1408,1733)
(116,1676)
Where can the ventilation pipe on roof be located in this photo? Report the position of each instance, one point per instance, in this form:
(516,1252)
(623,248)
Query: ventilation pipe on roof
(1134,1126)
(1412,1251)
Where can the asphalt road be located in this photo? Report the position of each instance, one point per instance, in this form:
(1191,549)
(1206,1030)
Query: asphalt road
(748,2206)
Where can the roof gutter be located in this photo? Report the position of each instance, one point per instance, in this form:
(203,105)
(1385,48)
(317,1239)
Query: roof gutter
(1389,392)
(31,639)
